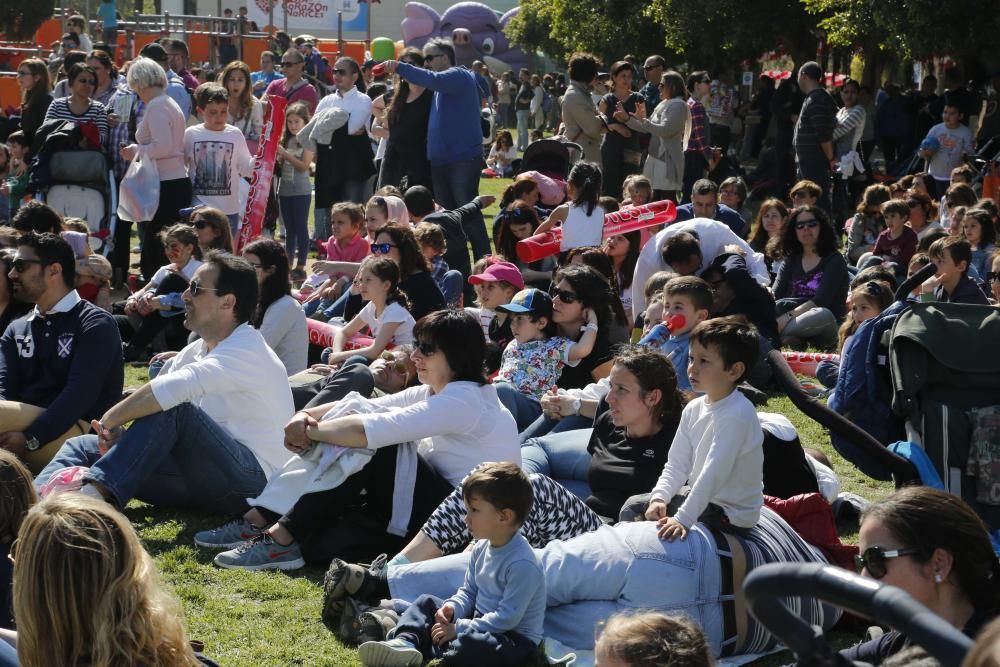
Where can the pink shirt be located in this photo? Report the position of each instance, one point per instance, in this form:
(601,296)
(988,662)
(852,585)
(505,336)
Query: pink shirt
(304,93)
(354,250)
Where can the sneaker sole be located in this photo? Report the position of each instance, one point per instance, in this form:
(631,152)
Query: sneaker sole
(282,565)
(377,654)
(216,545)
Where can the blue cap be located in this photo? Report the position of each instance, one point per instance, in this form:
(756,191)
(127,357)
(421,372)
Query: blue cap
(533,301)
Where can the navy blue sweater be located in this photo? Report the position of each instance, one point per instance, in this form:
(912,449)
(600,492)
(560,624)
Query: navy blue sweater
(454,130)
(69,363)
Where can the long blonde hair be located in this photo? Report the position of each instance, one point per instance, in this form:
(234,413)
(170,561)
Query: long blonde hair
(87,593)
(247,99)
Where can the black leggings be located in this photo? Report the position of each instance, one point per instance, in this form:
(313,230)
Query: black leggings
(340,523)
(174,195)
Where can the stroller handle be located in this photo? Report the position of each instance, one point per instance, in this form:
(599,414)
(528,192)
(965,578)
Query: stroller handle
(902,470)
(911,283)
(851,592)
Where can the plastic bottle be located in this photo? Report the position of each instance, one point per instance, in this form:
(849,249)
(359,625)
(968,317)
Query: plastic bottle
(927,289)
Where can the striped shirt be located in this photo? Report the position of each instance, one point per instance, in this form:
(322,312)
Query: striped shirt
(699,140)
(96,113)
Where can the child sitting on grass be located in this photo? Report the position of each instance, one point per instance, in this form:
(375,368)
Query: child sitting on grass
(866,301)
(532,362)
(430,236)
(952,255)
(495,618)
(687,303)
(718,445)
(897,242)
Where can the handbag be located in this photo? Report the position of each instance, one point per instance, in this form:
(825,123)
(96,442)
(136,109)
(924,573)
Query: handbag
(139,194)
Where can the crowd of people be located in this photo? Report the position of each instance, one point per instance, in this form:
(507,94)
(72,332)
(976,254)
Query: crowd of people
(528,444)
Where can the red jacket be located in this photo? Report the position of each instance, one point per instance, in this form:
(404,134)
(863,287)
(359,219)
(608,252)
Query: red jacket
(812,518)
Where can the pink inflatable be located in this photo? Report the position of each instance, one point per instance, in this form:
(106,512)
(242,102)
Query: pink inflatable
(321,334)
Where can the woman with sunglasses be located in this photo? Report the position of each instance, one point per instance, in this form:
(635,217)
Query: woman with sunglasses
(936,548)
(294,87)
(455,408)
(811,287)
(409,109)
(518,222)
(79,106)
(212,226)
(36,95)
(278,316)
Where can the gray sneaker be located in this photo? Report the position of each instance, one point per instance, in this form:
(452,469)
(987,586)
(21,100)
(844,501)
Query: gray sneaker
(392,653)
(227,536)
(262,553)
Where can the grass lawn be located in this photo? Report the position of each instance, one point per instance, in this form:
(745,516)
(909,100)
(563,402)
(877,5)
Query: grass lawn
(267,619)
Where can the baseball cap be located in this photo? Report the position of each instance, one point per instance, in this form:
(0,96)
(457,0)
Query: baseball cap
(154,51)
(531,300)
(499,271)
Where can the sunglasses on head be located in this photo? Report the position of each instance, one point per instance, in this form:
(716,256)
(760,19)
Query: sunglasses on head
(563,295)
(382,248)
(19,264)
(874,559)
(807,224)
(426,349)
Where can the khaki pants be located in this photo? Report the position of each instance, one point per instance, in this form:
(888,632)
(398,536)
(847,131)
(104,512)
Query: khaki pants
(16,416)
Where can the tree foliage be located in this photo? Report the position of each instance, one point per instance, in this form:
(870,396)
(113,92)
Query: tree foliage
(19,19)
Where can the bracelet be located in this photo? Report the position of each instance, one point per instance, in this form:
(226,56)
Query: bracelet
(589,327)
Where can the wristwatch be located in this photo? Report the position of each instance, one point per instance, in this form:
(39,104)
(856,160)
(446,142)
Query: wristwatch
(32,444)
(577,404)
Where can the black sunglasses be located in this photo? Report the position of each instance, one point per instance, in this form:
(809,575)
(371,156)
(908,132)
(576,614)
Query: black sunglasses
(19,264)
(197,288)
(200,224)
(874,559)
(286,63)
(807,224)
(426,349)
(340,71)
(563,295)
(382,248)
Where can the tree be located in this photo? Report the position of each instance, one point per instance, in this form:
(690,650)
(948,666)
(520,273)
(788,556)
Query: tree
(19,19)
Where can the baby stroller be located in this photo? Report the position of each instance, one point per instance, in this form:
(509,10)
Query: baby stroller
(552,157)
(82,185)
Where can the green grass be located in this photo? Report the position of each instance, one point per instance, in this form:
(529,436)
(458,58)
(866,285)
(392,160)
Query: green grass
(262,619)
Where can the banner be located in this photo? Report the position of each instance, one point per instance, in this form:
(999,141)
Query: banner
(311,15)
(263,172)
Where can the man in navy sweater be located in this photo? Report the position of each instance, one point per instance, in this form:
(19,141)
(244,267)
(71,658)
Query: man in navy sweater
(705,204)
(454,131)
(61,364)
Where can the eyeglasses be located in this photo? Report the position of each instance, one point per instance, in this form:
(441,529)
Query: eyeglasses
(200,224)
(806,224)
(874,559)
(426,349)
(197,288)
(382,248)
(340,72)
(19,264)
(563,295)
(288,63)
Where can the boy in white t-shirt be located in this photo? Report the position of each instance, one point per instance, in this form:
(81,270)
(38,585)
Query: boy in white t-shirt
(945,147)
(216,154)
(717,449)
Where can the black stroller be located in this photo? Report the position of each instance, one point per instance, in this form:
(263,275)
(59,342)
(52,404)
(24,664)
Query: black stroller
(552,157)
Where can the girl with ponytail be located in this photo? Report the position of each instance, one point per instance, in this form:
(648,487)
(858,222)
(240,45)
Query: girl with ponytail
(582,219)
(386,314)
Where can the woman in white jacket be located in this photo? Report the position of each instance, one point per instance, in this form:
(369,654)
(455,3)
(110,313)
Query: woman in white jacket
(669,127)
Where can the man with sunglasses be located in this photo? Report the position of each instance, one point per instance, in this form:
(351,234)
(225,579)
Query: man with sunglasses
(61,365)
(207,431)
(262,79)
(454,132)
(392,372)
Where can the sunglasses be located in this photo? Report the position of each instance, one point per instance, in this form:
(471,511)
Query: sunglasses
(287,63)
(200,224)
(382,248)
(340,72)
(20,264)
(197,288)
(565,296)
(426,349)
(807,224)
(397,365)
(874,559)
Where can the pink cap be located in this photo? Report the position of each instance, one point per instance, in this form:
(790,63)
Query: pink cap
(500,271)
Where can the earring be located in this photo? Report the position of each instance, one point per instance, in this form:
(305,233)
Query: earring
(937,578)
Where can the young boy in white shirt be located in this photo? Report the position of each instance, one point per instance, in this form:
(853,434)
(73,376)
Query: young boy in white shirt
(717,448)
(216,154)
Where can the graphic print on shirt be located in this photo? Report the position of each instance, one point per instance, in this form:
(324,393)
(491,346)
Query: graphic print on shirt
(212,168)
(26,346)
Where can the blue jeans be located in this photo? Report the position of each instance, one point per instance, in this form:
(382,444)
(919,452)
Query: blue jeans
(523,135)
(177,458)
(335,309)
(561,456)
(544,425)
(485,649)
(456,184)
(295,213)
(8,655)
(526,409)
(597,574)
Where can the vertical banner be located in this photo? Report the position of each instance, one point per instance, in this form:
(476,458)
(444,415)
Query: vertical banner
(263,172)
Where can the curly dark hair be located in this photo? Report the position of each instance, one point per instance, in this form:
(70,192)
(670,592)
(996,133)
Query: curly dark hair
(825,245)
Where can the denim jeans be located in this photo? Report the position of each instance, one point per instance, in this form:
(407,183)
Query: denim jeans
(597,574)
(526,409)
(484,649)
(457,183)
(561,456)
(295,213)
(8,655)
(177,458)
(523,135)
(544,425)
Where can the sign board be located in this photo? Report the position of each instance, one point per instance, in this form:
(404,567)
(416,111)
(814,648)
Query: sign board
(748,79)
(305,16)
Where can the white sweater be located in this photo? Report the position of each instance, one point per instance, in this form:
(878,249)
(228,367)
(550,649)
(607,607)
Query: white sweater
(718,447)
(461,427)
